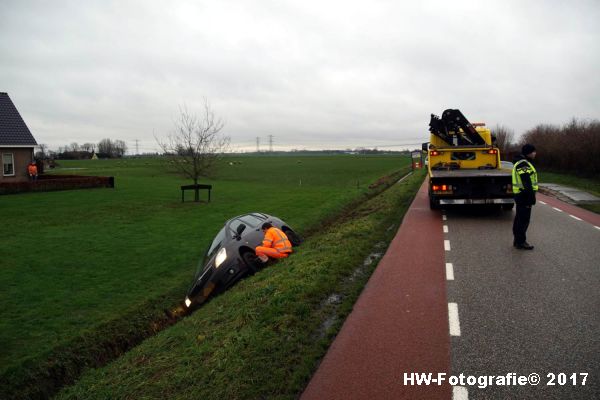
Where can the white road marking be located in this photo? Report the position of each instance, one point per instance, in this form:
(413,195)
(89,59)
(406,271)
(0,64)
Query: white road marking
(453,319)
(597,227)
(445,228)
(460,393)
(558,209)
(574,217)
(543,202)
(444,218)
(449,272)
(447,245)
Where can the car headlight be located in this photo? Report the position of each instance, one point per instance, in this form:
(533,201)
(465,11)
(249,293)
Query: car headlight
(221,256)
(188,302)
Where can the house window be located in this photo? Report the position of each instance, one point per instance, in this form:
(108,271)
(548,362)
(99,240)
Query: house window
(8,164)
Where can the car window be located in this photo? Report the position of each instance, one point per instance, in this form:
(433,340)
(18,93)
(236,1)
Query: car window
(216,243)
(233,225)
(252,221)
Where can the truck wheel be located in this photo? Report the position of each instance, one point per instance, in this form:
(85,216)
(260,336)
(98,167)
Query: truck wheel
(508,207)
(433,205)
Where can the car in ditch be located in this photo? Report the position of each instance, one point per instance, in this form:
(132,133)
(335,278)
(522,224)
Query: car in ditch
(231,256)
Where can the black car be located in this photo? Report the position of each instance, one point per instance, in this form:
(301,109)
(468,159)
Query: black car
(231,255)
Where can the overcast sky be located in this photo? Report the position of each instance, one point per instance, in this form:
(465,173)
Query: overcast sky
(314,74)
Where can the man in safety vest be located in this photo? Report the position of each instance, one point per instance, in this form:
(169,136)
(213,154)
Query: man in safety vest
(32,171)
(275,244)
(525,184)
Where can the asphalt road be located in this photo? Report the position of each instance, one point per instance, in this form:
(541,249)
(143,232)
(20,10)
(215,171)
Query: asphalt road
(525,312)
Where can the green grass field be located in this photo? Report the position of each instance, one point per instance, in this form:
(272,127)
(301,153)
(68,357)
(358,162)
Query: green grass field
(74,260)
(262,339)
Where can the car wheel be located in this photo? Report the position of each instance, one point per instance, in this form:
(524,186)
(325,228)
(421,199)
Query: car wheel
(294,238)
(251,261)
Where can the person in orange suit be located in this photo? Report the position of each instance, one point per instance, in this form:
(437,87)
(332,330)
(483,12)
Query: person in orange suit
(32,171)
(275,244)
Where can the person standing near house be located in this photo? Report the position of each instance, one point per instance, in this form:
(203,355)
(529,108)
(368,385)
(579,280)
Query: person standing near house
(525,184)
(275,244)
(32,171)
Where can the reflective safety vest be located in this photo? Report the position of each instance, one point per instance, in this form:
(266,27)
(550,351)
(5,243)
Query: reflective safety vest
(32,169)
(278,240)
(517,183)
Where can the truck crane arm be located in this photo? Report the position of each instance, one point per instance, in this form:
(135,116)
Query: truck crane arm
(454,121)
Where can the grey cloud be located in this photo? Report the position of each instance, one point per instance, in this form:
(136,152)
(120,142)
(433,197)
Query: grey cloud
(324,74)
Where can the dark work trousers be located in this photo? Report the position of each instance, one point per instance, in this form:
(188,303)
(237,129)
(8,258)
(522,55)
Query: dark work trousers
(521,223)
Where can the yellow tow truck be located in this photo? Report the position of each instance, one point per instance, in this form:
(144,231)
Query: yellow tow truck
(463,164)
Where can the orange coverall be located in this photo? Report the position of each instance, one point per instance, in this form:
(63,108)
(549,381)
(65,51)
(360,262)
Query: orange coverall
(32,169)
(275,244)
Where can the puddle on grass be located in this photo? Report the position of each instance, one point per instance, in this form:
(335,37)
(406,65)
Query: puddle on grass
(372,258)
(335,299)
(326,325)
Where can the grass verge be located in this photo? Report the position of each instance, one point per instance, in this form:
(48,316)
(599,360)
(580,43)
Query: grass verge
(586,184)
(264,337)
(42,376)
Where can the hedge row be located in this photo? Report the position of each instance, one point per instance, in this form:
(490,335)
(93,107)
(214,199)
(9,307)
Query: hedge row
(572,148)
(46,183)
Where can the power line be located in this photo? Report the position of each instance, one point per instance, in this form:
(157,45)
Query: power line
(399,145)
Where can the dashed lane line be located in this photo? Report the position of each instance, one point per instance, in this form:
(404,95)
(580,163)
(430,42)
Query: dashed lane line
(570,215)
(444,218)
(453,319)
(543,202)
(449,272)
(445,228)
(460,393)
(447,245)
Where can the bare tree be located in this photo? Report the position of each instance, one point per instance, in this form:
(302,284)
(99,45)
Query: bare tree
(504,138)
(106,147)
(196,143)
(120,148)
(89,147)
(42,153)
